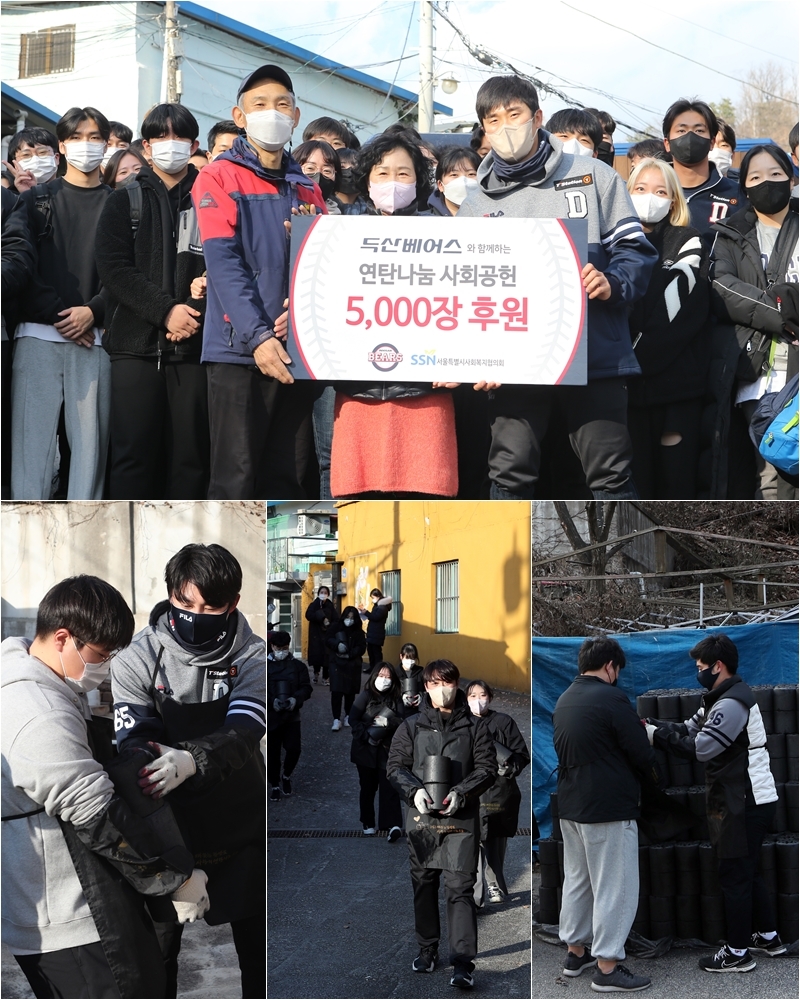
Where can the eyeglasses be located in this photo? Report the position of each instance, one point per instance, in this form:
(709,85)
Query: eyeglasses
(106,657)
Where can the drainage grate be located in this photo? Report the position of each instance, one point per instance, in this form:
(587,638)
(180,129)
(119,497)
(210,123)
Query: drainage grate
(321,834)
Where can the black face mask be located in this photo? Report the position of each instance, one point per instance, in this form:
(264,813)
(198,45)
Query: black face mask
(689,148)
(707,678)
(605,153)
(327,186)
(196,631)
(770,197)
(347,185)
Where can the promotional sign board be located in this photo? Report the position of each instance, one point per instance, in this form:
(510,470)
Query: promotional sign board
(426,299)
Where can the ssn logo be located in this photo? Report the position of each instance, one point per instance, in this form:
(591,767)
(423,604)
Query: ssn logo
(428,358)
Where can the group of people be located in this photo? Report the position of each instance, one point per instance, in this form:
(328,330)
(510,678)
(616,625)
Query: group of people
(116,833)
(607,766)
(419,742)
(168,266)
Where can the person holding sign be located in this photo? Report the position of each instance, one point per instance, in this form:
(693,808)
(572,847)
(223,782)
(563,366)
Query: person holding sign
(529,175)
(397,439)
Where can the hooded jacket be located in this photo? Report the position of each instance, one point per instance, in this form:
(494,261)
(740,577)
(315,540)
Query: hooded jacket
(190,678)
(500,803)
(448,842)
(316,614)
(583,188)
(376,630)
(669,326)
(48,769)
(713,201)
(296,673)
(241,210)
(369,749)
(147,276)
(345,667)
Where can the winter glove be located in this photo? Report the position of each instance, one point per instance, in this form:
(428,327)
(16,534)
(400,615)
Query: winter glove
(170,769)
(650,730)
(380,720)
(508,770)
(411,700)
(191,900)
(342,648)
(422,801)
(454,801)
(290,704)
(784,295)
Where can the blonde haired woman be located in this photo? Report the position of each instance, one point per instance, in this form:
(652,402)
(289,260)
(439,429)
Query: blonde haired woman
(670,333)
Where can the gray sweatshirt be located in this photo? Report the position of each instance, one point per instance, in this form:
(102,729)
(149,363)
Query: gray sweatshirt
(46,762)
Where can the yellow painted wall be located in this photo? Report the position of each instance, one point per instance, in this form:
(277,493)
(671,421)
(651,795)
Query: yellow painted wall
(490,539)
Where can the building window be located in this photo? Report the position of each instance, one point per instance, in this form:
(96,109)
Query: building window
(49,51)
(447,596)
(390,585)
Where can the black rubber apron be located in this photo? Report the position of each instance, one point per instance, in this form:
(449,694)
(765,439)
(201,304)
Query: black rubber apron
(225,827)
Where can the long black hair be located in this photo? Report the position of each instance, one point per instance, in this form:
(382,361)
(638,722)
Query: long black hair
(777,154)
(392,693)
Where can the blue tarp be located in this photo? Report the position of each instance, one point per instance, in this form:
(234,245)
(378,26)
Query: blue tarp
(768,654)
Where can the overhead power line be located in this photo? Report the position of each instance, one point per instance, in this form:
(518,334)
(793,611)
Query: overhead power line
(680,55)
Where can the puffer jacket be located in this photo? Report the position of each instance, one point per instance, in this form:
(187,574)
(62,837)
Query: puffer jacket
(296,673)
(447,842)
(376,630)
(345,668)
(500,803)
(369,750)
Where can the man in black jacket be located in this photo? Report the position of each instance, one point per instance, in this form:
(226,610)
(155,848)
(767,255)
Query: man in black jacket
(288,688)
(447,840)
(159,399)
(603,756)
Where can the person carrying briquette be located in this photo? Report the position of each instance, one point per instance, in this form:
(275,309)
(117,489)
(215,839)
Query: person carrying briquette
(446,744)
(191,687)
(288,688)
(727,735)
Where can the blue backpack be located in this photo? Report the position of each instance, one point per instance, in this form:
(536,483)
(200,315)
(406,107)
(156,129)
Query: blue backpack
(774,428)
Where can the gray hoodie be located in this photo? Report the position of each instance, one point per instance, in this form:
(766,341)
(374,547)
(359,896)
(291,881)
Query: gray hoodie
(46,762)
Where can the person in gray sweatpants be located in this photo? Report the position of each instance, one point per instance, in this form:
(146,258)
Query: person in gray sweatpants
(45,373)
(604,756)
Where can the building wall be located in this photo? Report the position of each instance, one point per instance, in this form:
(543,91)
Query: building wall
(128,544)
(490,541)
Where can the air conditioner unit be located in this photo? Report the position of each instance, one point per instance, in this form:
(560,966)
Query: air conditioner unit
(309,526)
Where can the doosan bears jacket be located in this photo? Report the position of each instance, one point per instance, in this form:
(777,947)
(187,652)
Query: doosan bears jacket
(582,187)
(447,842)
(147,276)
(241,209)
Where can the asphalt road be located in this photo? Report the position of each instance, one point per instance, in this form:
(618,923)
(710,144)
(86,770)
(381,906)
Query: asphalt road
(340,916)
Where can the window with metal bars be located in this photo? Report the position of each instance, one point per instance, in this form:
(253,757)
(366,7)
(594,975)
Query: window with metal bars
(390,586)
(51,50)
(447,596)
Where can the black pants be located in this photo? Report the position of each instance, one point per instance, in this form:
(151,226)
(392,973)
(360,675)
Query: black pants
(747,903)
(595,416)
(372,780)
(375,653)
(159,430)
(336,703)
(661,471)
(286,739)
(462,919)
(261,434)
(72,972)
(249,939)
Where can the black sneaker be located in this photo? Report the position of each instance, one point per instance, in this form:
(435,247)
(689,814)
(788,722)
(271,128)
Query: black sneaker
(286,785)
(726,961)
(275,794)
(462,979)
(574,966)
(769,946)
(395,833)
(426,960)
(619,980)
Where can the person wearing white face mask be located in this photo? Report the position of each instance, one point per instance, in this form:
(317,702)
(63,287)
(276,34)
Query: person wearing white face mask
(120,138)
(347,644)
(579,131)
(260,419)
(409,673)
(288,689)
(456,170)
(445,841)
(58,357)
(500,803)
(671,337)
(374,718)
(33,158)
(529,175)
(95,938)
(159,395)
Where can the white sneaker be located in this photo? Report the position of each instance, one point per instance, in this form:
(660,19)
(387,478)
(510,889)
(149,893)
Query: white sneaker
(347,721)
(369,831)
(336,726)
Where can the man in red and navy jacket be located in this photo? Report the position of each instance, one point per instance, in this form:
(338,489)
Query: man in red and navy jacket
(244,201)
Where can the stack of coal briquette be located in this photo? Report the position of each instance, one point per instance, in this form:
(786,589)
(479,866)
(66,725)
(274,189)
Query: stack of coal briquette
(679,892)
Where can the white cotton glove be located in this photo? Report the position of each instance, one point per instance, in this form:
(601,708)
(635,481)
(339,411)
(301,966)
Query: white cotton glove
(170,769)
(342,648)
(412,700)
(422,801)
(650,730)
(191,900)
(380,720)
(454,801)
(290,704)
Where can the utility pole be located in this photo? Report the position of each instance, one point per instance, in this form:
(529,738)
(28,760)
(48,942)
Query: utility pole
(174,51)
(425,123)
